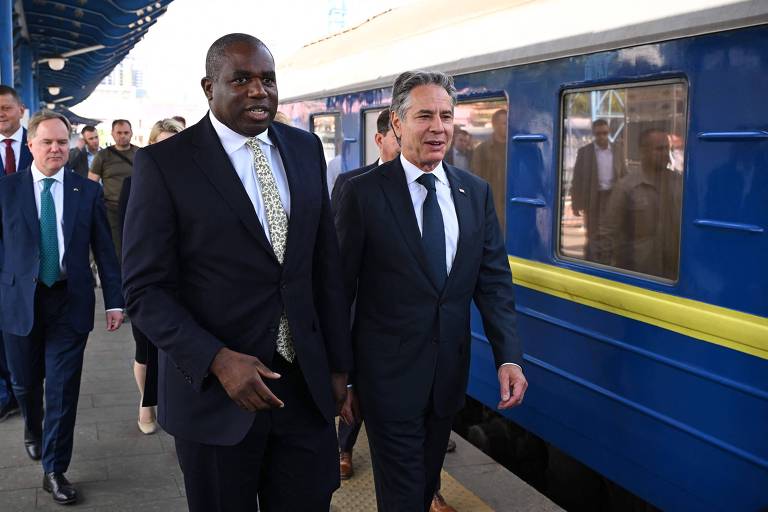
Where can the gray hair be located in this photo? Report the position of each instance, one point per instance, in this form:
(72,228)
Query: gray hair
(407,81)
(45,115)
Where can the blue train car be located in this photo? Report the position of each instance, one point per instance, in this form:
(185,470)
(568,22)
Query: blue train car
(654,373)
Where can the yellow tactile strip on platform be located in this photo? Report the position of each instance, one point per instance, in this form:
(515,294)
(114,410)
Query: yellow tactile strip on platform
(358,495)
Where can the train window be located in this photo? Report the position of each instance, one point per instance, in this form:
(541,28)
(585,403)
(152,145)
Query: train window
(371,150)
(621,176)
(328,128)
(480,146)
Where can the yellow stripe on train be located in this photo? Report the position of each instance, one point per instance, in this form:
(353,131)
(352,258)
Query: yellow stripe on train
(726,327)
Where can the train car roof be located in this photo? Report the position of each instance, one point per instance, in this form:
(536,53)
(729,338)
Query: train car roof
(461,36)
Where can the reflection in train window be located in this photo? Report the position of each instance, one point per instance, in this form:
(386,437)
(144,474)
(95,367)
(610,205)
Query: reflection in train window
(480,146)
(622,172)
(371,149)
(327,127)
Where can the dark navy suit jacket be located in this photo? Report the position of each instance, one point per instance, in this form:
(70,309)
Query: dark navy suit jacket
(85,227)
(411,340)
(25,157)
(200,274)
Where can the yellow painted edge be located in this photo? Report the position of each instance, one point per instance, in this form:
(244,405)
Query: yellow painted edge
(721,326)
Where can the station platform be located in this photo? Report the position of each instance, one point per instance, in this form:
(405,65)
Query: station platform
(118,469)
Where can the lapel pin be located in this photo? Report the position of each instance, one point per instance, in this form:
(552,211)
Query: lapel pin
(461,190)
(76,189)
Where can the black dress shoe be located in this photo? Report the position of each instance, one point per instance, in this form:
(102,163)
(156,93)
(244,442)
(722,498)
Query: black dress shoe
(34,450)
(62,491)
(8,410)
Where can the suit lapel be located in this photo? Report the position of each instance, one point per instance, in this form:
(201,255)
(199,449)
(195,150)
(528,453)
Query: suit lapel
(215,164)
(28,205)
(71,206)
(463,204)
(398,196)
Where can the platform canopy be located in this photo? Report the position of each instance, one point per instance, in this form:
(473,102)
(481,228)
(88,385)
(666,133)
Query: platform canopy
(68,46)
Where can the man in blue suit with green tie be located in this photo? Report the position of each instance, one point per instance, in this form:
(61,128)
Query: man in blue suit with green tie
(49,219)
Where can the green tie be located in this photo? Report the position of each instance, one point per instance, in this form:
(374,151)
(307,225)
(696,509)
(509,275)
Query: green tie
(49,240)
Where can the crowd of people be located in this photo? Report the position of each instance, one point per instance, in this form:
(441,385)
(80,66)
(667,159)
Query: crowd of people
(242,277)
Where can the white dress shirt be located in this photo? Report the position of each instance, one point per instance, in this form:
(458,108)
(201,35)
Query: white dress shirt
(16,145)
(57,191)
(241,157)
(444,199)
(604,159)
(447,208)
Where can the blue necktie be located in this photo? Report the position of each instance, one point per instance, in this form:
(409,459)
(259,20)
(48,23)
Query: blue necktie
(49,240)
(433,232)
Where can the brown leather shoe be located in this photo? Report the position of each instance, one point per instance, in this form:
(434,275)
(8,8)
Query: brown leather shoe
(439,504)
(345,465)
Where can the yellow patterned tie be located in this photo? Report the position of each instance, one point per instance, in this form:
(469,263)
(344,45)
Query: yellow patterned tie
(278,232)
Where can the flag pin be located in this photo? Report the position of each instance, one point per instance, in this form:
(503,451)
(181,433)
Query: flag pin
(76,189)
(462,190)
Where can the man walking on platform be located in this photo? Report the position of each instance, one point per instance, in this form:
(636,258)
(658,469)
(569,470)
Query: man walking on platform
(15,156)
(420,240)
(81,159)
(112,165)
(232,269)
(49,219)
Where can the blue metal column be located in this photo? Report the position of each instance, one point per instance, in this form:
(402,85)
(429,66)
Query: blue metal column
(6,42)
(27,87)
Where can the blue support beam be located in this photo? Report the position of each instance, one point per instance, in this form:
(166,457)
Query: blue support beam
(6,42)
(27,81)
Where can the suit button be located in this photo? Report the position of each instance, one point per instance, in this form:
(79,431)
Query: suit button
(283,286)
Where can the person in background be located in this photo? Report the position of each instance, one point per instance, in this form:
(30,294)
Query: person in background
(643,215)
(81,159)
(489,161)
(599,166)
(47,298)
(181,121)
(15,156)
(460,154)
(112,165)
(145,360)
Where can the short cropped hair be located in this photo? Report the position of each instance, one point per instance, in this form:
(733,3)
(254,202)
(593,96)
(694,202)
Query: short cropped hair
(214,59)
(646,134)
(599,122)
(87,128)
(121,121)
(382,122)
(170,125)
(10,91)
(407,81)
(45,115)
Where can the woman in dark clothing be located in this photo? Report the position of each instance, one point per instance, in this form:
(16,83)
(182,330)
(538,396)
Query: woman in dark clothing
(145,360)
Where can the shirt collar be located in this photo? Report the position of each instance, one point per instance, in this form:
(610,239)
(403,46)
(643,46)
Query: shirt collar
(17,135)
(230,139)
(598,148)
(412,173)
(38,176)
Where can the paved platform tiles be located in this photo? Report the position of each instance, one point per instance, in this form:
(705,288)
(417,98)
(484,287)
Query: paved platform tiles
(118,469)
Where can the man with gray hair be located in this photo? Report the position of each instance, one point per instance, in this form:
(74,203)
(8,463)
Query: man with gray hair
(49,220)
(419,241)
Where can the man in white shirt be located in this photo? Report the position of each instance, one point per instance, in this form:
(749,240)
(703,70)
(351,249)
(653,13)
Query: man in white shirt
(413,278)
(49,221)
(599,165)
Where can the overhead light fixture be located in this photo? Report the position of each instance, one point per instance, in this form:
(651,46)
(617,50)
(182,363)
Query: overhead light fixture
(158,5)
(50,106)
(149,8)
(147,19)
(131,25)
(54,90)
(64,99)
(140,22)
(140,12)
(56,63)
